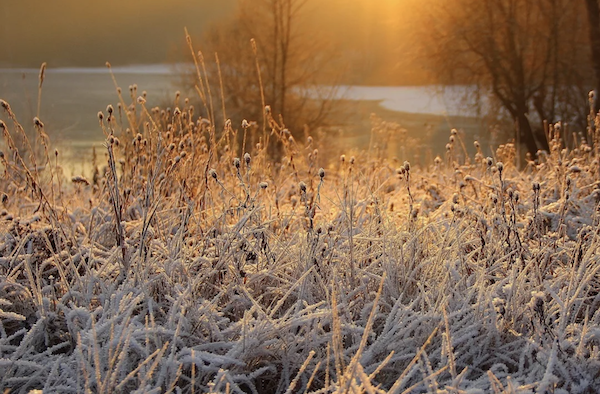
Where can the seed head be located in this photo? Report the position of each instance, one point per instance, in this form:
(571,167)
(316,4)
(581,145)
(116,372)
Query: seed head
(343,158)
(321,173)
(267,109)
(500,166)
(80,180)
(177,111)
(454,132)
(263,185)
(406,166)
(109,109)
(245,124)
(100,116)
(236,162)
(302,186)
(141,100)
(494,198)
(489,161)
(37,122)
(213,173)
(476,143)
(5,105)
(247,158)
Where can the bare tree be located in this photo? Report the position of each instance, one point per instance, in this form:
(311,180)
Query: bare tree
(293,63)
(529,54)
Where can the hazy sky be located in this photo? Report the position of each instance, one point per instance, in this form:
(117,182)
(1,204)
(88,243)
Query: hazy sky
(87,33)
(91,32)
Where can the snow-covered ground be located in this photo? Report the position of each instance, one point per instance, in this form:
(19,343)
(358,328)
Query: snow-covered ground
(433,99)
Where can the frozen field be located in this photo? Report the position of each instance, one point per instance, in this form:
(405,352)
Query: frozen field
(188,264)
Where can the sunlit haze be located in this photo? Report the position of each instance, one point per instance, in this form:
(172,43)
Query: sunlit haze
(76,33)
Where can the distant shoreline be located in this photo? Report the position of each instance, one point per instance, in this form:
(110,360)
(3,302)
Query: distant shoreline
(158,69)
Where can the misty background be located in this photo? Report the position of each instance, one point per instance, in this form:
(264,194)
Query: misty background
(470,65)
(372,35)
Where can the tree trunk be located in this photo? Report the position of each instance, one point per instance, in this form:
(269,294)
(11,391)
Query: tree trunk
(526,133)
(593,11)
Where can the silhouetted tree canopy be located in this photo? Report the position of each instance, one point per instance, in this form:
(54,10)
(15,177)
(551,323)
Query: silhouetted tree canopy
(531,57)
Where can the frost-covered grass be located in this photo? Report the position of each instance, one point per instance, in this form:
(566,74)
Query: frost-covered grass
(185,264)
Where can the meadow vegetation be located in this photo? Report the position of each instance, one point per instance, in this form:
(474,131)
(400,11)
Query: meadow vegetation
(194,260)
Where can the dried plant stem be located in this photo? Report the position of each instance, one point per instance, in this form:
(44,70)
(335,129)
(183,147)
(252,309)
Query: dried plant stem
(262,94)
(41,82)
(200,89)
(221,87)
(117,207)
